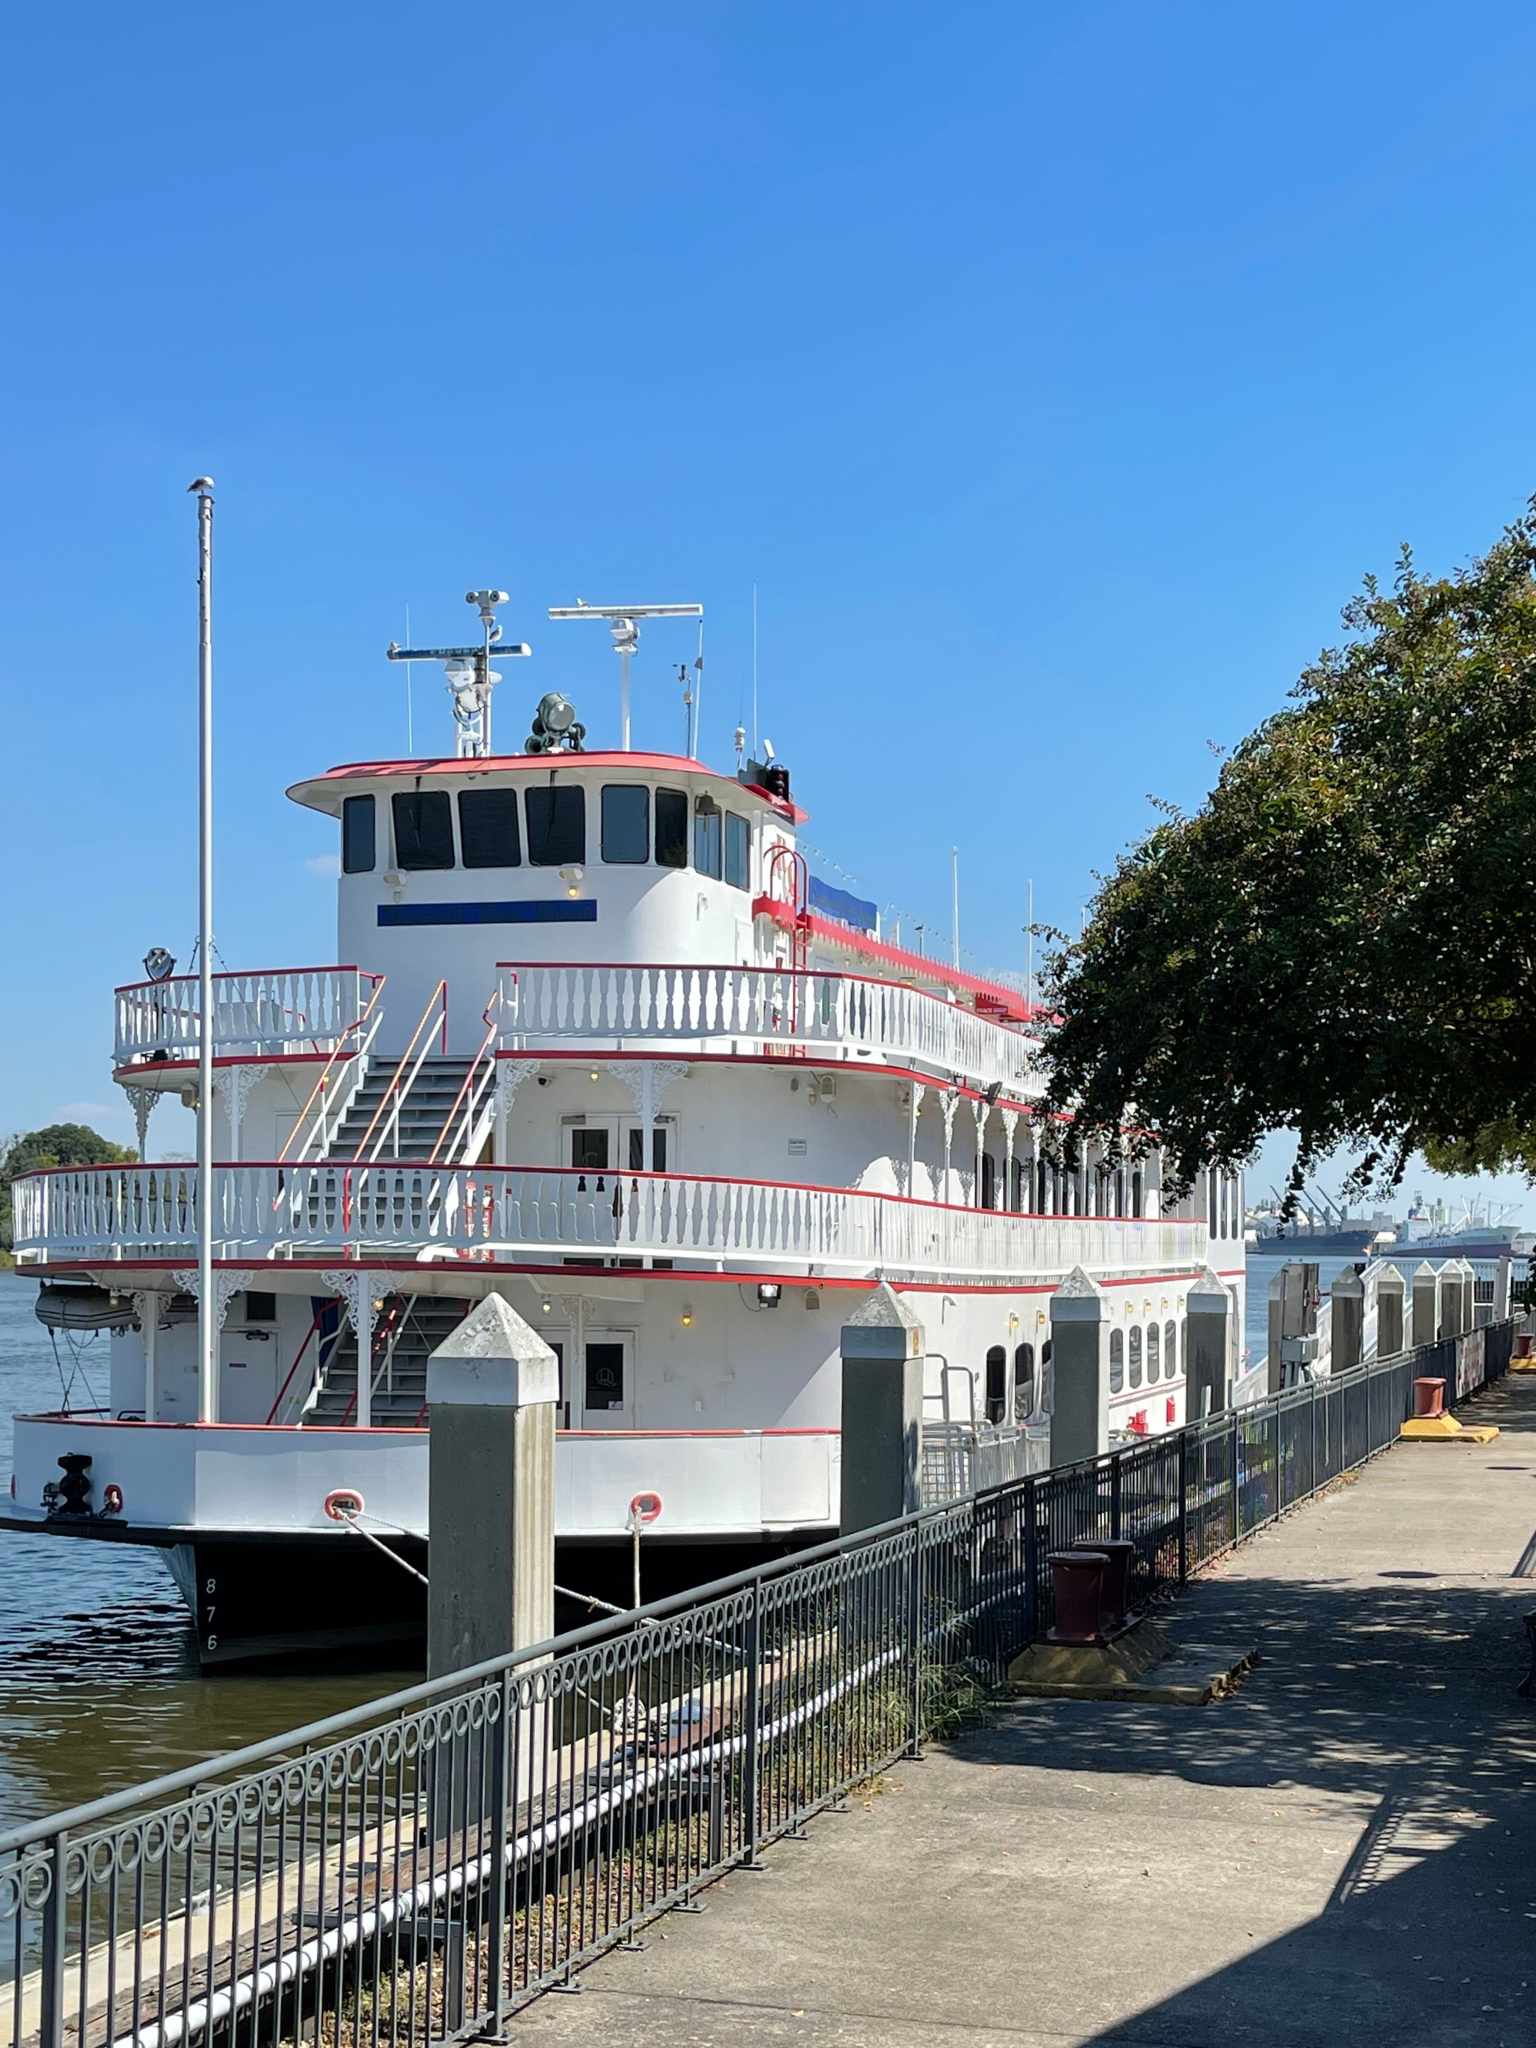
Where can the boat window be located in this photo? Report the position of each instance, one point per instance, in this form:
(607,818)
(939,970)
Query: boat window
(423,829)
(706,836)
(626,822)
(658,1149)
(1154,1346)
(1170,1351)
(671,829)
(1023,1382)
(488,836)
(589,1149)
(1137,1186)
(605,1376)
(997,1382)
(738,851)
(557,826)
(1116,1360)
(1135,1351)
(357,850)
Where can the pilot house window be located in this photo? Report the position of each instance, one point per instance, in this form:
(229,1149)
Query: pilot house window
(557,826)
(706,837)
(357,849)
(423,829)
(738,851)
(626,822)
(488,835)
(671,829)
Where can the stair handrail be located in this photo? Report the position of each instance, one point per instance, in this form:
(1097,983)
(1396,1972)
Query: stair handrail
(282,1393)
(472,1088)
(366,1026)
(394,1093)
(388,1334)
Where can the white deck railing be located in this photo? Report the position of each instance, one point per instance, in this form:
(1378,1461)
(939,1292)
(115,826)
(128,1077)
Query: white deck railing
(278,1011)
(397,1209)
(829,1017)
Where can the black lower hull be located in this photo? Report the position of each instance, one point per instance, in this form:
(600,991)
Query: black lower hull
(281,1600)
(260,1597)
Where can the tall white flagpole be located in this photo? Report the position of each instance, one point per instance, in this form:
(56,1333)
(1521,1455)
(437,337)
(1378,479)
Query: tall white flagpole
(207,1307)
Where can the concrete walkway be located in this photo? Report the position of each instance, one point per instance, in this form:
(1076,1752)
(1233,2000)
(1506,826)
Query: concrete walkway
(1345,1851)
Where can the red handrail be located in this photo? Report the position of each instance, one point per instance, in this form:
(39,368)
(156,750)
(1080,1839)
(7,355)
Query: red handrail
(283,1391)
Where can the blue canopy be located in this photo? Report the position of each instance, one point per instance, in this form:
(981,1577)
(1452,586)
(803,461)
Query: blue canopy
(842,908)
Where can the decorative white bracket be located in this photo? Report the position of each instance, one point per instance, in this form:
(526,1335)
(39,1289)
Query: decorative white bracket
(227,1283)
(354,1286)
(141,1101)
(510,1076)
(233,1086)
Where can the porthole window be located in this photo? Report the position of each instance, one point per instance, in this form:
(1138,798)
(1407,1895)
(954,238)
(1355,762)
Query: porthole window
(671,829)
(626,822)
(1170,1351)
(357,835)
(488,836)
(557,826)
(423,829)
(1116,1360)
(738,851)
(1135,1351)
(1154,1349)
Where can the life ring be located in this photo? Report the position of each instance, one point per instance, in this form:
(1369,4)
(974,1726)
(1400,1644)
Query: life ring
(112,1499)
(645,1508)
(344,1504)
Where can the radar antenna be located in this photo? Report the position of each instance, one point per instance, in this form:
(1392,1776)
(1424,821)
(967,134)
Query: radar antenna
(470,675)
(626,637)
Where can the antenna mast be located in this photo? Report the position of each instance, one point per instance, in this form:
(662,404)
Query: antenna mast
(207,1307)
(470,676)
(622,624)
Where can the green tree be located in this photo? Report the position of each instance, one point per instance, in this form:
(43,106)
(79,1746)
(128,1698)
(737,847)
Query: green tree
(1341,940)
(54,1145)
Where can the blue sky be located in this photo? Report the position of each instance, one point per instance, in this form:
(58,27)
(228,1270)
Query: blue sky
(1054,373)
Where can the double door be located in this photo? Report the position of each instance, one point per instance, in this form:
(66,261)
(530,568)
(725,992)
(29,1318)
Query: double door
(616,1144)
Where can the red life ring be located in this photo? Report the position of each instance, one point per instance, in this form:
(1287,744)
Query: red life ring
(645,1507)
(112,1499)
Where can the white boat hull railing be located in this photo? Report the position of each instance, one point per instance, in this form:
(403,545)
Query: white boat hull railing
(761,1010)
(271,1014)
(404,1209)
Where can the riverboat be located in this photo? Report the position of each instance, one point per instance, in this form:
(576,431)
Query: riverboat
(605,1046)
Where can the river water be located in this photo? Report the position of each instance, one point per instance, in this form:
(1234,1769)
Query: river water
(99,1681)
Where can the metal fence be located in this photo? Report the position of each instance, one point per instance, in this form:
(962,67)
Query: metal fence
(414,1870)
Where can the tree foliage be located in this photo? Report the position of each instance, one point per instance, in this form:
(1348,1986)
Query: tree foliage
(53,1145)
(1341,940)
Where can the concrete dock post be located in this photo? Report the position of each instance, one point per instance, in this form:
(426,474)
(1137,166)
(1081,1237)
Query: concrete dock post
(1391,1301)
(1080,1312)
(491,1389)
(882,1412)
(1424,1308)
(1347,1324)
(1207,1349)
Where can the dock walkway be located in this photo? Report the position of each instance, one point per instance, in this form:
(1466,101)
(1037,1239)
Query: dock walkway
(1343,1851)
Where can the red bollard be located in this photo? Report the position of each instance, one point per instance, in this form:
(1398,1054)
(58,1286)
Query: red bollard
(1115,1599)
(1429,1397)
(1077,1579)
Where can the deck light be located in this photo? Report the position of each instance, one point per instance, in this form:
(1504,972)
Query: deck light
(687,1318)
(768,1293)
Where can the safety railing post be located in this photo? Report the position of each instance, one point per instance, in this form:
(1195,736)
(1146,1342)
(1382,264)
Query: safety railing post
(914,1628)
(1234,1450)
(50,2032)
(497,1944)
(1114,1499)
(752,1718)
(1031,1561)
(1183,1507)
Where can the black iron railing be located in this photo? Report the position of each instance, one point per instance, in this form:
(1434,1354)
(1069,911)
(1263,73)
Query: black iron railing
(415,1869)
